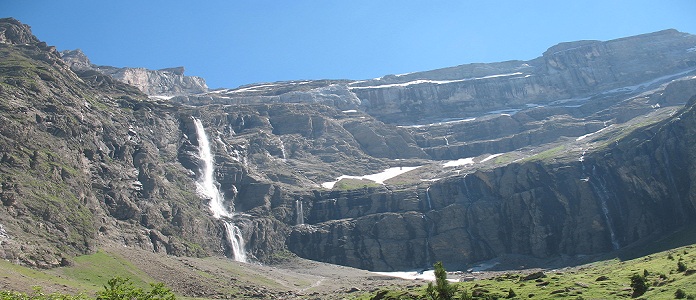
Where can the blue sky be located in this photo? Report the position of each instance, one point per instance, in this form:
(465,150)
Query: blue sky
(231,43)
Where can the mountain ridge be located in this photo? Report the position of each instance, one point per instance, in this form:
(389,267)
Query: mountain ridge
(80,143)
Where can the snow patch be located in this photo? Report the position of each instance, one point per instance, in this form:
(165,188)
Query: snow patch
(504,112)
(377,178)
(459,162)
(438,123)
(161,97)
(580,138)
(349,111)
(492,156)
(428,275)
(692,49)
(422,81)
(255,88)
(633,88)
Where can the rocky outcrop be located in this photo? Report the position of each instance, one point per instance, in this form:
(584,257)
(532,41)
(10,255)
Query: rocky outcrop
(328,92)
(14,32)
(167,82)
(86,161)
(568,72)
(565,71)
(612,198)
(164,82)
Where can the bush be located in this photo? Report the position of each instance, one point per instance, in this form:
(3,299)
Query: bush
(679,294)
(117,289)
(681,266)
(465,295)
(639,285)
(38,294)
(121,288)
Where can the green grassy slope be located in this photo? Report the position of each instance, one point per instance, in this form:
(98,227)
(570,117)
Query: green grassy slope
(608,279)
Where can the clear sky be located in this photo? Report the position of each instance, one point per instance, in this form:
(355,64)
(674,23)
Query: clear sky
(231,43)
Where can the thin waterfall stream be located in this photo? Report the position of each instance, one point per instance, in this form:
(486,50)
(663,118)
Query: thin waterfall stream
(603,196)
(427,197)
(299,212)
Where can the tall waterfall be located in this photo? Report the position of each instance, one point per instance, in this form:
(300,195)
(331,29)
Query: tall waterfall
(299,212)
(209,188)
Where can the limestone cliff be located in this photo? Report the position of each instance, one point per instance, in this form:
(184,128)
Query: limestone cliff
(87,160)
(167,82)
(630,190)
(568,72)
(565,71)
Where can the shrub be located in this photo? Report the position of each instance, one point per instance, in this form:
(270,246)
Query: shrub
(465,295)
(639,285)
(681,266)
(679,294)
(121,288)
(38,294)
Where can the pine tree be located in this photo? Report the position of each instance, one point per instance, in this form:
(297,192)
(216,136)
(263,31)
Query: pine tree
(443,289)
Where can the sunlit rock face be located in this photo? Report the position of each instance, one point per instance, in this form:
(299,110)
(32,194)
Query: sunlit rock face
(612,198)
(565,71)
(167,82)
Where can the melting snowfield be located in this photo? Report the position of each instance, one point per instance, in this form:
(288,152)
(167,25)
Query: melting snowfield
(422,81)
(444,122)
(429,275)
(492,156)
(413,275)
(580,138)
(378,177)
(459,162)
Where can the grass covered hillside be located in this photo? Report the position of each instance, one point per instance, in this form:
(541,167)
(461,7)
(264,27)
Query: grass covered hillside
(668,274)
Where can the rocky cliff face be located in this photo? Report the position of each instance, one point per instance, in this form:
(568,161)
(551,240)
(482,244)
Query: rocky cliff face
(566,71)
(628,191)
(570,72)
(83,162)
(589,151)
(92,160)
(167,82)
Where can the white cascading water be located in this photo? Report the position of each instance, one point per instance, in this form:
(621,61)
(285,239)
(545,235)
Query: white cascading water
(427,197)
(235,241)
(282,149)
(208,187)
(300,212)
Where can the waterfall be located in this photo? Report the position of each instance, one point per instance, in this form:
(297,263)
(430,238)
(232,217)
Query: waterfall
(299,212)
(427,197)
(603,196)
(466,188)
(208,187)
(282,149)
(235,241)
(429,232)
